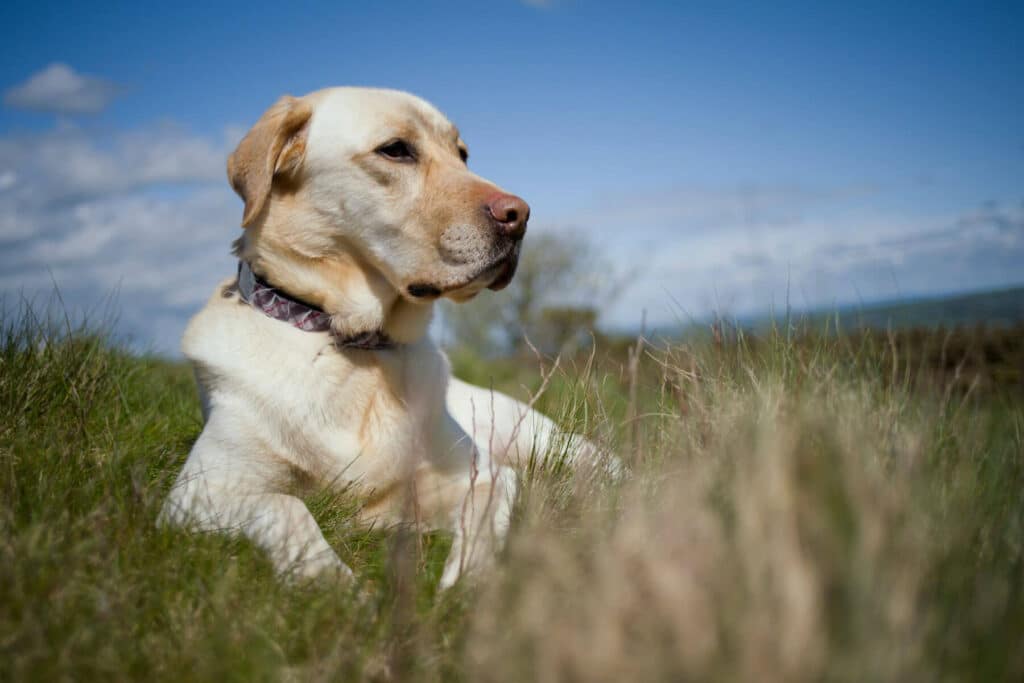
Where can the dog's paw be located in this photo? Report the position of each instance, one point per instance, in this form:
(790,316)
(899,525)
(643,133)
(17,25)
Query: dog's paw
(323,567)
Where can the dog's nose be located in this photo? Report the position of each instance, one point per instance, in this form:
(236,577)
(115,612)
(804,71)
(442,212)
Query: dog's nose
(510,213)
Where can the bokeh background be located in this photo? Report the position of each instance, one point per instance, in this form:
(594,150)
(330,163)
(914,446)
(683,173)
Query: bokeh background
(708,157)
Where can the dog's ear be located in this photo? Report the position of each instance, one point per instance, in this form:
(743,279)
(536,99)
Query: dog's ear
(274,146)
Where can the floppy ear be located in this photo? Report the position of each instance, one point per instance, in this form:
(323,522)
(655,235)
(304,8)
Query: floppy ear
(276,144)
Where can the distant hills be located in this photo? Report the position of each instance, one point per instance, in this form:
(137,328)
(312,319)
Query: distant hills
(993,308)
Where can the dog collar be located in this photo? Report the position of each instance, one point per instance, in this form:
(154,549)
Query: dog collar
(278,305)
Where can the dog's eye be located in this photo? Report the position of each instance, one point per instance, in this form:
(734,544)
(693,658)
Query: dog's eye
(399,150)
(463,154)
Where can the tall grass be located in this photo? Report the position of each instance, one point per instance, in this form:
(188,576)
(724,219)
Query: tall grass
(792,511)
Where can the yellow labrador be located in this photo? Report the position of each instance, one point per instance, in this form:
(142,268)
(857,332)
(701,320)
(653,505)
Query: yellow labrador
(314,364)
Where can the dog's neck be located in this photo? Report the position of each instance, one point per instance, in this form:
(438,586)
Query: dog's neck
(360,301)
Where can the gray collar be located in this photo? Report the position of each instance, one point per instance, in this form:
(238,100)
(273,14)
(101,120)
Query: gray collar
(279,305)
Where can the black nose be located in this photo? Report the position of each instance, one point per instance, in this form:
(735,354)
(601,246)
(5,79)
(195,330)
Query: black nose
(510,213)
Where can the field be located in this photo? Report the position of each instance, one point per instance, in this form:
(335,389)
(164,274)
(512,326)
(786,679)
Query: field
(799,506)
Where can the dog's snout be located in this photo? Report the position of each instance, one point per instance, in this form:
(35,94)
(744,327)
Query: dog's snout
(510,213)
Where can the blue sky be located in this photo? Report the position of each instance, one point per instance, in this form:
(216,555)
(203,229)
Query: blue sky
(720,154)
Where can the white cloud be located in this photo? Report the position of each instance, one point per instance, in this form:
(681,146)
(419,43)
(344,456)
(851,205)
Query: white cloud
(60,89)
(738,251)
(163,257)
(69,164)
(145,212)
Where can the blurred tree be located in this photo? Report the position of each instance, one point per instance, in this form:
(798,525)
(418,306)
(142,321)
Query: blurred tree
(565,328)
(555,300)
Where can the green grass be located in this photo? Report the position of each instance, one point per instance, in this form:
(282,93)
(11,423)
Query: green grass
(795,510)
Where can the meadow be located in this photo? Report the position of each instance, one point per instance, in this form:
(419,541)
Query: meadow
(798,506)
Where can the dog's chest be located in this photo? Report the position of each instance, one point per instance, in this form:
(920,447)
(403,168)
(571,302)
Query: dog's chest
(338,416)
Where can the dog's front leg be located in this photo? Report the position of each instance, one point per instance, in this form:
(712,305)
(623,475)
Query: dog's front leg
(283,526)
(480,522)
(212,493)
(278,523)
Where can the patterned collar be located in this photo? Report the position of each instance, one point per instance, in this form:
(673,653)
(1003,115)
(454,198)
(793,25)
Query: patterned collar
(276,304)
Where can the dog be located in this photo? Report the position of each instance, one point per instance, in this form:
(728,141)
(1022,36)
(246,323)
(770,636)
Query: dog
(314,366)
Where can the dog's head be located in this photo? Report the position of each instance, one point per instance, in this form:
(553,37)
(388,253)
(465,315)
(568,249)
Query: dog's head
(380,176)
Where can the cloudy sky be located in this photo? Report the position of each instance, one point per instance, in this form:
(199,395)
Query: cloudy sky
(721,154)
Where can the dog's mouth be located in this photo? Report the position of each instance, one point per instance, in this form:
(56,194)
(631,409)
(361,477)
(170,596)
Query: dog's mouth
(506,269)
(495,276)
